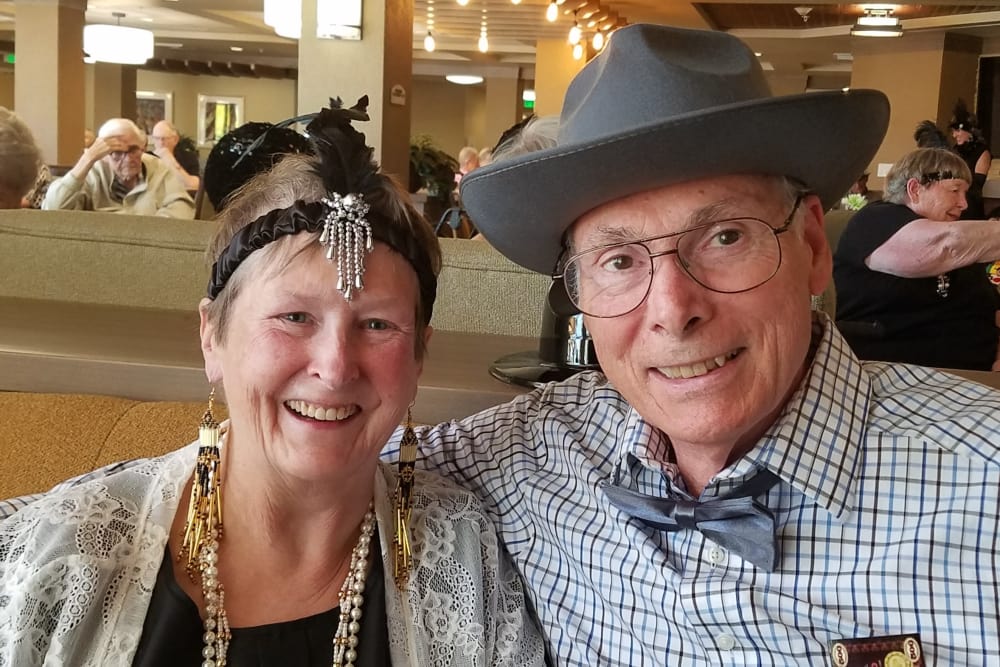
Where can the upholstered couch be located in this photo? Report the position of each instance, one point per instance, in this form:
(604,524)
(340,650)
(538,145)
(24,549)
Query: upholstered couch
(143,262)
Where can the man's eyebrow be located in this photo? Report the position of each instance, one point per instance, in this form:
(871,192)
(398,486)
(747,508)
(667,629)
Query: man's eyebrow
(612,234)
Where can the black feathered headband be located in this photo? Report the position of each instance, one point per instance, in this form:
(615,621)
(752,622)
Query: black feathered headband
(962,119)
(347,231)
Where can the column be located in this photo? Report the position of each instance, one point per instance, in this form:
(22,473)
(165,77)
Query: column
(923,74)
(555,67)
(503,103)
(379,65)
(49,76)
(114,92)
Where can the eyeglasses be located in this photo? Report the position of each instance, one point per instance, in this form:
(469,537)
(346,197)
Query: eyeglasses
(727,256)
(131,152)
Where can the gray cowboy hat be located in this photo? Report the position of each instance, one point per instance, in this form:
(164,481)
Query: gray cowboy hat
(665,105)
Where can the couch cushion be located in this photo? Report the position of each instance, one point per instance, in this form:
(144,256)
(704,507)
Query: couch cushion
(104,258)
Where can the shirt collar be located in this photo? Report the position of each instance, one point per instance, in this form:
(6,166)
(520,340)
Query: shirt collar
(815,445)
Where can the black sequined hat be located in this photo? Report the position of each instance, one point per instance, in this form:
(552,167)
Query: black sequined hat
(962,119)
(244,152)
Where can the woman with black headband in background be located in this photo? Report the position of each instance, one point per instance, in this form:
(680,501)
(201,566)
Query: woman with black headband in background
(278,538)
(913,285)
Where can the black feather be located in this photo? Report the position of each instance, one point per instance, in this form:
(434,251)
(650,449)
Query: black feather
(929,135)
(345,163)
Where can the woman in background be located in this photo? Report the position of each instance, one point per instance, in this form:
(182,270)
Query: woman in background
(969,143)
(912,283)
(20,160)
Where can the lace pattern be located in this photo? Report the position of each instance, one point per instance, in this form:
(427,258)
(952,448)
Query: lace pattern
(78,566)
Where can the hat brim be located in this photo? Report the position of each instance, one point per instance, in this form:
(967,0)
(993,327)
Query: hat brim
(524,205)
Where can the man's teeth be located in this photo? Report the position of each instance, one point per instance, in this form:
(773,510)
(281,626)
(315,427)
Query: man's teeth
(320,413)
(698,368)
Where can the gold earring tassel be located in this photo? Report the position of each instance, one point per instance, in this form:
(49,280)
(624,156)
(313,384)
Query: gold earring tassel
(204,517)
(403,502)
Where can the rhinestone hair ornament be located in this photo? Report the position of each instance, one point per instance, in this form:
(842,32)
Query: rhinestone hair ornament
(346,230)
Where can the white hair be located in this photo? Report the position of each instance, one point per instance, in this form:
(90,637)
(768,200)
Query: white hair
(118,126)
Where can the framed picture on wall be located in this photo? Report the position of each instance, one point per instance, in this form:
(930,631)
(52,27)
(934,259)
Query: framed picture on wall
(217,115)
(151,107)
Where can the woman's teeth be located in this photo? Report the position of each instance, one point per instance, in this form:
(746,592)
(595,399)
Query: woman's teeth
(320,413)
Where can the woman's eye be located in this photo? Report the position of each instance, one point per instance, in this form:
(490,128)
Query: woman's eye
(297,318)
(376,325)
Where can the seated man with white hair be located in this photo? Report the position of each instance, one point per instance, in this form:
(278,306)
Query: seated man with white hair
(115,174)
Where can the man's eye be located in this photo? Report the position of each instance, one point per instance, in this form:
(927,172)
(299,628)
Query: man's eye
(727,237)
(618,263)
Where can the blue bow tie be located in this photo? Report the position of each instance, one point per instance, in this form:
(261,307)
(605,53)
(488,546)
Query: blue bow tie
(737,522)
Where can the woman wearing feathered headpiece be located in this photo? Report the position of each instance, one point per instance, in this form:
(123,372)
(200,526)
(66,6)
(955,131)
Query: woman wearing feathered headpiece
(972,147)
(315,324)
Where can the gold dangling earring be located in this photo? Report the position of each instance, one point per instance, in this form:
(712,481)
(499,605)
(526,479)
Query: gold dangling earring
(204,517)
(403,501)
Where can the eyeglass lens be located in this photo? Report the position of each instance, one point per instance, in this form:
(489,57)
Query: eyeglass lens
(725,256)
(132,151)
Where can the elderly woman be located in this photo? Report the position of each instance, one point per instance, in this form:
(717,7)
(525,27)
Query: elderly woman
(912,283)
(278,538)
(20,159)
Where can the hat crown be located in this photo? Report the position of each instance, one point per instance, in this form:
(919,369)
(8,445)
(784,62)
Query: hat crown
(649,73)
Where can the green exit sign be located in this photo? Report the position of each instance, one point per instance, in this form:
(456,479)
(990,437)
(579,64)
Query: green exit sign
(8,58)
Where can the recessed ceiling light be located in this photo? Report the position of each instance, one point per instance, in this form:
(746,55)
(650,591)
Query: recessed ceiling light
(236,49)
(758,54)
(170,45)
(146,19)
(464,79)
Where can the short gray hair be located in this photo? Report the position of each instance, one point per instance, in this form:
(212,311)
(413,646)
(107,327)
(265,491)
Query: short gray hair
(20,158)
(115,126)
(926,165)
(537,133)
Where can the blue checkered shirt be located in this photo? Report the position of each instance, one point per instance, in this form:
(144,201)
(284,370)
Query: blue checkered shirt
(888,512)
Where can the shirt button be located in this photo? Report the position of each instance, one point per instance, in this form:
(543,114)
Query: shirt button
(717,555)
(725,642)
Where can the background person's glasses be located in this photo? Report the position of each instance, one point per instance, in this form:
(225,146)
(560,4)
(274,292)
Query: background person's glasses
(727,256)
(131,152)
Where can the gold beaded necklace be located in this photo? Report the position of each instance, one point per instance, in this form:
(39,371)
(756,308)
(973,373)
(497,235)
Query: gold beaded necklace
(345,642)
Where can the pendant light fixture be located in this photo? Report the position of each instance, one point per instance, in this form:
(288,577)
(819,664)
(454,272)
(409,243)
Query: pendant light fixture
(117,43)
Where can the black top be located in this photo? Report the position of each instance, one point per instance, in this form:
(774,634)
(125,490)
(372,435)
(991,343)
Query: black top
(187,156)
(888,318)
(971,152)
(172,632)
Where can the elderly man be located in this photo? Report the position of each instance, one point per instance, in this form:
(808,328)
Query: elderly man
(115,174)
(736,488)
(184,163)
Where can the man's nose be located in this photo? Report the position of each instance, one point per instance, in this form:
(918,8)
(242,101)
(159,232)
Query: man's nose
(676,302)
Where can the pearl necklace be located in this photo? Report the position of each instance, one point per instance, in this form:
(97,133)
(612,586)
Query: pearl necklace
(345,641)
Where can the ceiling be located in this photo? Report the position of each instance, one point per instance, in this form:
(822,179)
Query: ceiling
(191,33)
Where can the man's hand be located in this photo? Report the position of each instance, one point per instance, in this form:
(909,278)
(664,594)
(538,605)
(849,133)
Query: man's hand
(97,151)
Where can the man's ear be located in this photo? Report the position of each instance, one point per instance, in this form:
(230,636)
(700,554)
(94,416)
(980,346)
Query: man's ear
(913,189)
(209,344)
(821,269)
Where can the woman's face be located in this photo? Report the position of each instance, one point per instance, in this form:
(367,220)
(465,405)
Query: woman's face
(316,384)
(961,136)
(939,200)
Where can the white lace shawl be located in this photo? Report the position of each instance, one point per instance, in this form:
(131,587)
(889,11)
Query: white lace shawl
(77,570)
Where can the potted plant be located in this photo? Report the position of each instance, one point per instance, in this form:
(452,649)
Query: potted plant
(433,170)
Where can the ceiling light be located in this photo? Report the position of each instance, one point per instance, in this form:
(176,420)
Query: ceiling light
(463,2)
(528,95)
(464,79)
(484,44)
(236,49)
(877,22)
(575,33)
(577,51)
(552,12)
(598,41)
(515,2)
(117,43)
(285,16)
(338,19)
(429,43)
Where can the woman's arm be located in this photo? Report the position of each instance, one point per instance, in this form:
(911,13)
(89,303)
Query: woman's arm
(925,248)
(983,163)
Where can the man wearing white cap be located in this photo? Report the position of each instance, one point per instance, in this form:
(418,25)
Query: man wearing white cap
(735,488)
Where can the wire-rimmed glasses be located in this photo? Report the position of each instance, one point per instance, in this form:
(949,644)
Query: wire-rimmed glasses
(728,256)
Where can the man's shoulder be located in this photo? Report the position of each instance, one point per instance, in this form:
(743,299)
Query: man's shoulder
(948,412)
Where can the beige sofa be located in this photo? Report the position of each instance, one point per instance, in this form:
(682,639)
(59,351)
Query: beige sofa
(142,262)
